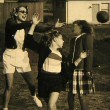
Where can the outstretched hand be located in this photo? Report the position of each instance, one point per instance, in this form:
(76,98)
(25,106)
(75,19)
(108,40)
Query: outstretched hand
(35,19)
(58,24)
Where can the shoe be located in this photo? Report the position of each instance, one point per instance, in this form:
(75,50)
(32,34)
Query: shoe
(37,101)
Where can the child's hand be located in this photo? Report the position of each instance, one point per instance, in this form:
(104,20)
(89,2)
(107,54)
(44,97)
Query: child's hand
(35,19)
(83,55)
(58,24)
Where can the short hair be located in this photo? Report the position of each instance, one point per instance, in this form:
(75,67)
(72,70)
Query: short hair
(47,39)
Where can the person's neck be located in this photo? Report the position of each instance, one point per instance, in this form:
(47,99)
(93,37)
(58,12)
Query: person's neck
(54,47)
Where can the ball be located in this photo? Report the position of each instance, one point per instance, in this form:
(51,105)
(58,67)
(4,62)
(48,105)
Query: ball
(102,16)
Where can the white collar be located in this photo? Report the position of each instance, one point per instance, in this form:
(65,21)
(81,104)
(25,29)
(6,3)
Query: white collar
(79,36)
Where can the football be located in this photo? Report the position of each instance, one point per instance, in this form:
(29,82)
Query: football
(102,16)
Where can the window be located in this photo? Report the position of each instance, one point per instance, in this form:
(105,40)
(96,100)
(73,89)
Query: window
(105,7)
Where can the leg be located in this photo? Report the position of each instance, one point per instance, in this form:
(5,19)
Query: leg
(8,88)
(71,99)
(47,101)
(82,99)
(52,100)
(28,77)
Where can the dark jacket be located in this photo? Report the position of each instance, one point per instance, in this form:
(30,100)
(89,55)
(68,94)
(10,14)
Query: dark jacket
(12,26)
(83,43)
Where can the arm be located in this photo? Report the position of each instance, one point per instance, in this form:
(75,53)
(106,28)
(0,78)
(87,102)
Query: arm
(73,65)
(89,48)
(77,61)
(13,25)
(41,27)
(35,21)
(81,57)
(30,42)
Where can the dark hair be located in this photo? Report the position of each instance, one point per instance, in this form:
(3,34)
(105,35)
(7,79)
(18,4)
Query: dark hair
(16,10)
(85,26)
(48,37)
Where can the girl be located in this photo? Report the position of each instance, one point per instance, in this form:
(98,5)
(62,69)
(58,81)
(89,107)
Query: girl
(49,65)
(15,56)
(80,82)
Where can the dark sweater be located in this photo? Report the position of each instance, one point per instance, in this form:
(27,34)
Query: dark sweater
(83,43)
(12,26)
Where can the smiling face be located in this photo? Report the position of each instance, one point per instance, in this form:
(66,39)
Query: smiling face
(21,15)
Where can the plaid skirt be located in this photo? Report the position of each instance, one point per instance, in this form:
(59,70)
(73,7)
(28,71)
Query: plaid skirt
(81,83)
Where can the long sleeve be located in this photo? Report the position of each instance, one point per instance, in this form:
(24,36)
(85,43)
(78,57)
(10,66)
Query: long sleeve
(30,43)
(12,25)
(42,27)
(88,45)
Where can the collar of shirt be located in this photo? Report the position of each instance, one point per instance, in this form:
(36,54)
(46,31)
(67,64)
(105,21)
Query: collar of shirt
(79,36)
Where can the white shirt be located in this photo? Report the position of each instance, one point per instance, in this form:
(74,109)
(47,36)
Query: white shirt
(53,62)
(17,57)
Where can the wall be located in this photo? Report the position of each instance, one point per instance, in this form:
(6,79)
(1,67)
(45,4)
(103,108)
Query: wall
(81,10)
(6,8)
(59,10)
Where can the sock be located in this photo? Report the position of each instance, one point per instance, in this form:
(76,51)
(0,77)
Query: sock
(5,108)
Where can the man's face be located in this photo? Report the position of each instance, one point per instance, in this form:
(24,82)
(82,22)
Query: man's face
(22,14)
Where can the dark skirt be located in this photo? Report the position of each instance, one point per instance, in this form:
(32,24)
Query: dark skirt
(48,83)
(81,83)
